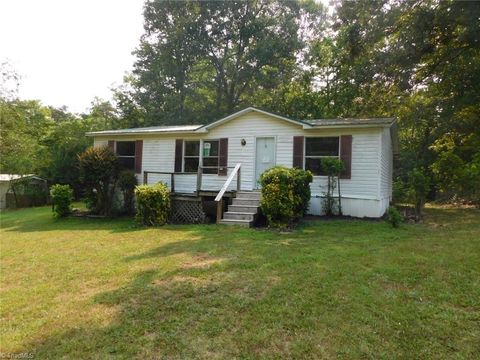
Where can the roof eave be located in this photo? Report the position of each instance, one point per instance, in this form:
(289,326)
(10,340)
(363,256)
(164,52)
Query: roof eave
(134,133)
(340,126)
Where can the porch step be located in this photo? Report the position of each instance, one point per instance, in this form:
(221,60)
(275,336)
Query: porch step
(246,223)
(249,195)
(248,202)
(239,216)
(244,209)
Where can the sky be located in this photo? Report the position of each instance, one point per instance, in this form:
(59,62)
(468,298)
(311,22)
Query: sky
(69,51)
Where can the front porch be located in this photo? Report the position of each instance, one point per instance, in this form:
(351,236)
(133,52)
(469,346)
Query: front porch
(192,203)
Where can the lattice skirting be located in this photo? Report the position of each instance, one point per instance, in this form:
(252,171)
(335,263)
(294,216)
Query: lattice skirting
(187,211)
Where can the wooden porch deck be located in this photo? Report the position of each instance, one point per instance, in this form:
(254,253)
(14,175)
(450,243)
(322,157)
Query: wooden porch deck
(193,201)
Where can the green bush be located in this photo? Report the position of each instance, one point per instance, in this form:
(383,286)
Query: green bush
(394,217)
(301,185)
(153,204)
(62,196)
(99,171)
(285,195)
(127,182)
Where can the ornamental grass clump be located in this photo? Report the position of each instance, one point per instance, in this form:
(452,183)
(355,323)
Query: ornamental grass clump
(285,195)
(153,204)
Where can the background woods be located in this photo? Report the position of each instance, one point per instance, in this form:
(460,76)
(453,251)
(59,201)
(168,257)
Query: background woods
(200,60)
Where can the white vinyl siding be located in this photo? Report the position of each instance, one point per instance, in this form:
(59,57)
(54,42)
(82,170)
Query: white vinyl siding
(98,142)
(386,167)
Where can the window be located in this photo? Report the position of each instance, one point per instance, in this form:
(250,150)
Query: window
(191,156)
(318,148)
(210,156)
(126,154)
(208,150)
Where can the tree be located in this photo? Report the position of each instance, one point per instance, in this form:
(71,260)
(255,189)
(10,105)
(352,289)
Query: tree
(418,188)
(199,60)
(99,171)
(24,125)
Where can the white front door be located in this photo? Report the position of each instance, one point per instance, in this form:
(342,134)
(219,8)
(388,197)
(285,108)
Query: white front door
(265,156)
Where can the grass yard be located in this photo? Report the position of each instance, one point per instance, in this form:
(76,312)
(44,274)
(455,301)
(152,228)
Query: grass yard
(91,288)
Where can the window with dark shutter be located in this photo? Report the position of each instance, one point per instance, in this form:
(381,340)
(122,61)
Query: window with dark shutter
(210,156)
(191,156)
(125,151)
(318,148)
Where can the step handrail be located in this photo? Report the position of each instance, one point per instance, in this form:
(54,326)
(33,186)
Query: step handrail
(219,197)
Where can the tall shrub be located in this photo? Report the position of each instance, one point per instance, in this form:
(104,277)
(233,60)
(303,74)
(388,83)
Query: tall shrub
(153,204)
(62,196)
(99,171)
(285,195)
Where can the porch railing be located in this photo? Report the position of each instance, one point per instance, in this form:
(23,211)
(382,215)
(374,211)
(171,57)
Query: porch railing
(200,173)
(219,197)
(172,177)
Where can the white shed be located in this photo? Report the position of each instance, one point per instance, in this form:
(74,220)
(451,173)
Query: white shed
(258,140)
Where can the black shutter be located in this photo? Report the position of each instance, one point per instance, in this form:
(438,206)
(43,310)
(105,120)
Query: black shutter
(178,155)
(138,156)
(298,151)
(346,156)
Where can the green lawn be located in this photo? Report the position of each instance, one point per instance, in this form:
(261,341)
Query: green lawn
(83,288)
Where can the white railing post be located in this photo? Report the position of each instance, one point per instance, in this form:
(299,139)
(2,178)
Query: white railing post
(219,197)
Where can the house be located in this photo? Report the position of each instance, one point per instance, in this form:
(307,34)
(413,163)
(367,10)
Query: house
(30,190)
(196,159)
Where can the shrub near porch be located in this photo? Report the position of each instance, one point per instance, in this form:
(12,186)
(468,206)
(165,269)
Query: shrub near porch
(285,195)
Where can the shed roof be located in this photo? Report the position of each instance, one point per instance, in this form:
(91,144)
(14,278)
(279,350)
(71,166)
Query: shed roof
(11,177)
